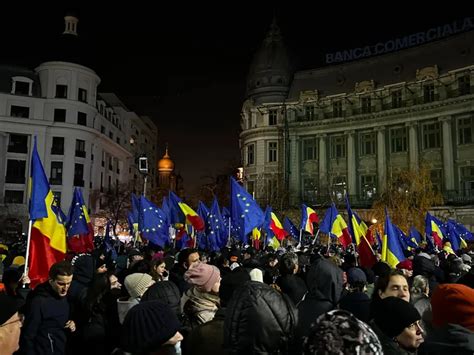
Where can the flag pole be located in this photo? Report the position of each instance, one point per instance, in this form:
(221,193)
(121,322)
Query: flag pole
(315,237)
(301,235)
(30,225)
(228,235)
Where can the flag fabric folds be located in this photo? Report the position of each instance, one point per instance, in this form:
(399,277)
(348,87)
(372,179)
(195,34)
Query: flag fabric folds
(291,228)
(216,230)
(334,225)
(308,217)
(392,251)
(415,236)
(273,228)
(192,217)
(78,226)
(109,243)
(246,213)
(457,241)
(48,234)
(434,229)
(180,212)
(153,224)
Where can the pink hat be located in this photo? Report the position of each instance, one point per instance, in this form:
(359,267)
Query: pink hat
(203,276)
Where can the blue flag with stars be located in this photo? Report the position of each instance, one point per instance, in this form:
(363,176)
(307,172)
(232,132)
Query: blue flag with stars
(246,213)
(291,228)
(77,223)
(202,212)
(152,222)
(216,231)
(109,243)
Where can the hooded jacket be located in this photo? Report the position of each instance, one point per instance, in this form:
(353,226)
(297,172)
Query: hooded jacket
(259,320)
(451,339)
(46,315)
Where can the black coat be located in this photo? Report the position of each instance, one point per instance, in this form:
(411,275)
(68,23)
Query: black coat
(166,292)
(259,320)
(451,339)
(293,286)
(358,303)
(46,314)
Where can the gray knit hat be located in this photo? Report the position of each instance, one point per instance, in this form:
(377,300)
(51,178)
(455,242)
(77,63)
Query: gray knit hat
(137,284)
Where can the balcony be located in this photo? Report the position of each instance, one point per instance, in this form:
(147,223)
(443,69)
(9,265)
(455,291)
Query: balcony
(458,197)
(81,153)
(55,181)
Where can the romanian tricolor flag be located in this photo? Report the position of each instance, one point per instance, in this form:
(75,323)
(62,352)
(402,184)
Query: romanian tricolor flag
(274,229)
(434,229)
(392,251)
(256,238)
(192,217)
(47,240)
(308,217)
(334,225)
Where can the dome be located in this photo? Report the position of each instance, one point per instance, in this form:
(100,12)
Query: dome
(165,164)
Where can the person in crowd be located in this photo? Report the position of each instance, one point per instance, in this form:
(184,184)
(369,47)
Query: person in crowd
(356,300)
(340,332)
(158,269)
(10,324)
(423,264)
(289,282)
(186,258)
(151,328)
(397,325)
(47,313)
(136,284)
(201,302)
(370,275)
(453,321)
(259,320)
(393,284)
(420,290)
(166,292)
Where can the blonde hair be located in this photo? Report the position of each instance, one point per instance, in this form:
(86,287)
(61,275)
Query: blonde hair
(420,285)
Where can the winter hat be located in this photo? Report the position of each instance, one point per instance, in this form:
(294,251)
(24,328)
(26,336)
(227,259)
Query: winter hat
(453,303)
(148,326)
(230,282)
(466,259)
(354,274)
(203,276)
(406,264)
(256,275)
(339,332)
(136,284)
(165,292)
(9,307)
(393,314)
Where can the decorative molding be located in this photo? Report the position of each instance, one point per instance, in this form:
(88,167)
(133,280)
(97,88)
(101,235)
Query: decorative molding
(364,86)
(427,73)
(309,95)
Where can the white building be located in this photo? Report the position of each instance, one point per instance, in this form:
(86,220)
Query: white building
(85,139)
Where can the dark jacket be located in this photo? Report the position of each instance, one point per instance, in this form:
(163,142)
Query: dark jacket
(166,292)
(324,282)
(358,303)
(423,305)
(451,339)
(177,277)
(426,267)
(207,338)
(293,286)
(259,320)
(46,314)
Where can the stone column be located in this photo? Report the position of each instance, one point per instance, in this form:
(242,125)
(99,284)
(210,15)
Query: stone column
(448,156)
(294,173)
(323,165)
(351,163)
(413,144)
(381,159)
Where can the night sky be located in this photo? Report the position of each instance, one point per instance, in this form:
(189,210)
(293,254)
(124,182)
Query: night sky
(185,65)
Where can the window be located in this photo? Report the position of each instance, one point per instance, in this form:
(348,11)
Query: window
(19,111)
(57,148)
(82,95)
(56,177)
(368,186)
(367,143)
(398,137)
(431,136)
(310,190)
(16,170)
(61,91)
(117,140)
(22,88)
(436,177)
(272,152)
(467,180)
(13,196)
(338,147)
(337,109)
(78,175)
(18,143)
(82,118)
(464,84)
(465,130)
(272,189)
(309,149)
(80,148)
(309,111)
(428,93)
(59,115)
(272,117)
(366,104)
(111,135)
(339,187)
(397,99)
(102,130)
(251,154)
(251,187)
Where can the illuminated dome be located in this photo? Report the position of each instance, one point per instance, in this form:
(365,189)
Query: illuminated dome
(165,164)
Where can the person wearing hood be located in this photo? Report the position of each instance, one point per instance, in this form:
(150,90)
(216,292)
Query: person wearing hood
(356,300)
(47,314)
(325,284)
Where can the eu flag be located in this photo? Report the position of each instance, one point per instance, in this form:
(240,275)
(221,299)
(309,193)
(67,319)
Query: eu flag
(77,222)
(152,222)
(216,230)
(291,228)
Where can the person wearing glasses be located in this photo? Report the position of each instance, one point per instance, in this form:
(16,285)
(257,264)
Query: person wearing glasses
(10,325)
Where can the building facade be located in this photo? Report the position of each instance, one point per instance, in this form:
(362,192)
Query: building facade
(319,134)
(84,139)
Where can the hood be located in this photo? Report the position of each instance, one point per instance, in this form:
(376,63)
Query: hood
(423,266)
(324,281)
(84,268)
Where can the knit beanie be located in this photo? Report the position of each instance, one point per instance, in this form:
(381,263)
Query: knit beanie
(354,275)
(148,326)
(202,275)
(230,282)
(256,275)
(394,314)
(453,303)
(136,284)
(339,332)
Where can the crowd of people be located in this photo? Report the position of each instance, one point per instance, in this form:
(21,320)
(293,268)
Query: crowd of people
(313,300)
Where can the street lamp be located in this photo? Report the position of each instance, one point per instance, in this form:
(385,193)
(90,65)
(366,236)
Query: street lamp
(143,169)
